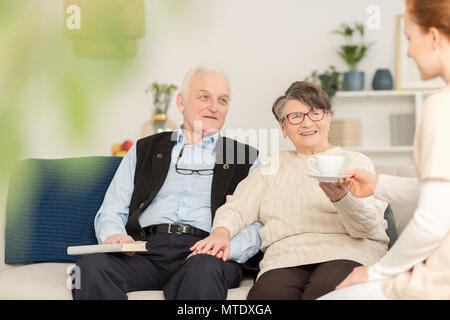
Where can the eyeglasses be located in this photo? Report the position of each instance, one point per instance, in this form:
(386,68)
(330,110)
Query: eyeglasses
(188,172)
(314,114)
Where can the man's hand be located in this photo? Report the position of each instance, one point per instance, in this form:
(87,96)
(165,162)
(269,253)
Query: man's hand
(120,238)
(219,254)
(333,190)
(358,275)
(216,244)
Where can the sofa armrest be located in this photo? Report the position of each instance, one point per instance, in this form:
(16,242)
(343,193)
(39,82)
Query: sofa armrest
(402,213)
(3,196)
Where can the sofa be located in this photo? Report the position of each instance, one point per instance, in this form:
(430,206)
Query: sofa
(51,204)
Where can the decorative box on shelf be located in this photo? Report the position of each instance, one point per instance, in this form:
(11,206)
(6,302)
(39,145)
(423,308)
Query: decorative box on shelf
(345,132)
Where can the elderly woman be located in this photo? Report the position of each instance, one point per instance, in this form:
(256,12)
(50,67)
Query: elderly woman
(313,234)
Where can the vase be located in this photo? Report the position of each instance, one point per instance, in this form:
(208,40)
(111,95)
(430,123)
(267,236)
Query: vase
(159,123)
(354,80)
(382,80)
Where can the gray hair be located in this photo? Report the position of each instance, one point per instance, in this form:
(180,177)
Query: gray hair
(305,92)
(278,108)
(185,85)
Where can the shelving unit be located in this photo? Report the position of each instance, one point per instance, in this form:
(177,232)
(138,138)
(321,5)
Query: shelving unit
(383,149)
(374,109)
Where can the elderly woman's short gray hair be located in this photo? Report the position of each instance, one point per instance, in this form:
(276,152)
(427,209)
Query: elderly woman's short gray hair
(184,88)
(305,92)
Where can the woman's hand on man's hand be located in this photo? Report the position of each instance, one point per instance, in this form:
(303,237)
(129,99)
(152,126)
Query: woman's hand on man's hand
(216,244)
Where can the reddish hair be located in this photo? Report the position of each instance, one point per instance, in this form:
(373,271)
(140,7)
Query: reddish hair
(431,13)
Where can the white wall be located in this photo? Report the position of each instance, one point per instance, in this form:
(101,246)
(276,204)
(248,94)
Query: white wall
(264,45)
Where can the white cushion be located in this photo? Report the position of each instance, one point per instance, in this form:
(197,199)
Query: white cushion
(48,281)
(43,281)
(241,292)
(233,294)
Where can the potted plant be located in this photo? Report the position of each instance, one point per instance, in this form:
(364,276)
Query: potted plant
(327,80)
(159,96)
(352,53)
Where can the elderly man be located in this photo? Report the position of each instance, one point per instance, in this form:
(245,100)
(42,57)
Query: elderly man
(166,192)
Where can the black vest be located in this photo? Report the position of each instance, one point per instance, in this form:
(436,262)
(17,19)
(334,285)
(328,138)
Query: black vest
(153,153)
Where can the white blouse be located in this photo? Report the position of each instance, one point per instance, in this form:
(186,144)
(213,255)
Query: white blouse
(426,230)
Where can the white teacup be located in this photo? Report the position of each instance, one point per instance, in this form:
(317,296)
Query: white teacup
(327,165)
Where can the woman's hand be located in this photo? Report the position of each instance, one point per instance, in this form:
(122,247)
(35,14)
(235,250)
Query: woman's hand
(358,275)
(333,190)
(216,244)
(361,183)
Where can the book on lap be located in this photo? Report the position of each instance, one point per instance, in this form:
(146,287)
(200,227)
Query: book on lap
(138,246)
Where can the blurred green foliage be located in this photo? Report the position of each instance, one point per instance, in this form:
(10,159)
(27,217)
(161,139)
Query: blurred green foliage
(36,57)
(34,51)
(39,72)
(35,54)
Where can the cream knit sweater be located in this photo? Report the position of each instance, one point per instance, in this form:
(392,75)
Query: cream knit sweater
(301,225)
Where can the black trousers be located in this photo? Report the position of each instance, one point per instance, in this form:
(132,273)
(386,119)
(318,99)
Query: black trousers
(163,267)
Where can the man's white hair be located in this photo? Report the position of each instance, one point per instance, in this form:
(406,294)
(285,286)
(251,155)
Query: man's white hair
(185,85)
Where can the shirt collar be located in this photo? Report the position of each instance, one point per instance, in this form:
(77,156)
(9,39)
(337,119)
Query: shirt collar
(208,140)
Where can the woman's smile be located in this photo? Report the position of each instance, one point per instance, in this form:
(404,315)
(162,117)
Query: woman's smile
(308,133)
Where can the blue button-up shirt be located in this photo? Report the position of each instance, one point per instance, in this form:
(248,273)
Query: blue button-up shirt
(182,199)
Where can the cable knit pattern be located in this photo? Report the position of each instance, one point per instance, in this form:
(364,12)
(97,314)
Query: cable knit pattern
(301,225)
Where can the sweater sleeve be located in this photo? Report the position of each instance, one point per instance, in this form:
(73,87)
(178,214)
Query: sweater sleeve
(362,217)
(242,208)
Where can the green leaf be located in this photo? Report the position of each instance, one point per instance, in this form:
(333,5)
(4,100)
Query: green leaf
(328,80)
(345,30)
(352,54)
(360,27)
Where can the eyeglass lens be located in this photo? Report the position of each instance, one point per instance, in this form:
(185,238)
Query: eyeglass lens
(313,114)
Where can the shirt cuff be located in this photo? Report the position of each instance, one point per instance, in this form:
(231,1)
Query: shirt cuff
(106,232)
(373,274)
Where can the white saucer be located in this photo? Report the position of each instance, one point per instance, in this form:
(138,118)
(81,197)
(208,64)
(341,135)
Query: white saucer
(328,178)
